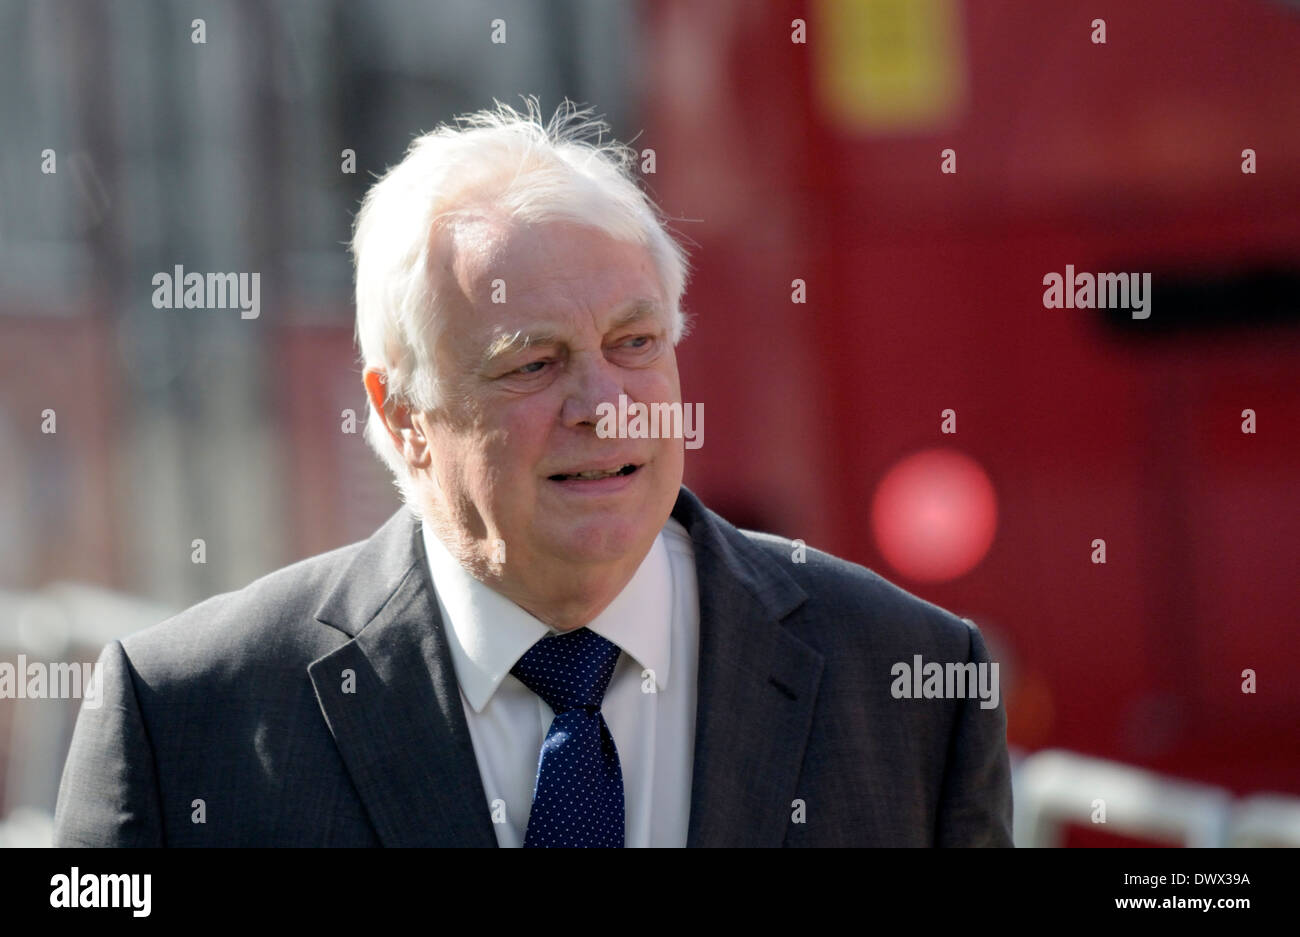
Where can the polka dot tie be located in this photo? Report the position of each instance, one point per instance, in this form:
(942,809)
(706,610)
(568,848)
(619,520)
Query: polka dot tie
(578,796)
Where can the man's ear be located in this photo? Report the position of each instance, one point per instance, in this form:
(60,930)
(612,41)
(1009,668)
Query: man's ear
(404,426)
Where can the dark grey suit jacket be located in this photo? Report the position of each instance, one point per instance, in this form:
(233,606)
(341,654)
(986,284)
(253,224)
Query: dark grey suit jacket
(240,703)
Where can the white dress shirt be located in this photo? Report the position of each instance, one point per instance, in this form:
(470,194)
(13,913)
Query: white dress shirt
(649,706)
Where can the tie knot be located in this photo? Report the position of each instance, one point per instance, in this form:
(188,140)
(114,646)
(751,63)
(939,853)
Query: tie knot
(570,670)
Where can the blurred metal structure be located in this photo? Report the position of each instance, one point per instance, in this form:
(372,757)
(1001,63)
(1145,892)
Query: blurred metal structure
(64,623)
(1265,820)
(1055,789)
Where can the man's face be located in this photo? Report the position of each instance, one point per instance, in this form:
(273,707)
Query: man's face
(579,319)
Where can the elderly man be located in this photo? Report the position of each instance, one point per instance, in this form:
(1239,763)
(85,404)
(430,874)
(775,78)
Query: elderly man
(553,643)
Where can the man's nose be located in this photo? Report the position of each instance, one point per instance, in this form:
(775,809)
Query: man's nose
(591,380)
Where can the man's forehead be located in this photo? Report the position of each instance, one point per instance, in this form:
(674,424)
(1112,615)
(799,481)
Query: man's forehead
(478,247)
(469,241)
(522,284)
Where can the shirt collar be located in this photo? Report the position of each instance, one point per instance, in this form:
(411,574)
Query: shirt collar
(487,633)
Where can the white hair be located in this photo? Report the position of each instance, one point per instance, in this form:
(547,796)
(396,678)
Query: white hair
(516,167)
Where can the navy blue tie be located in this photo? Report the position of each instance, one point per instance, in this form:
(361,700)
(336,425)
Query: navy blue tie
(578,795)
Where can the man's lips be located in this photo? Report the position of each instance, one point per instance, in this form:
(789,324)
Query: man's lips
(595,473)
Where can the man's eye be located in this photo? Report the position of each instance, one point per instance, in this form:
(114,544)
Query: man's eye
(531,368)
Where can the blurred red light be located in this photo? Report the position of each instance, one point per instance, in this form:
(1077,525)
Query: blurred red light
(934,515)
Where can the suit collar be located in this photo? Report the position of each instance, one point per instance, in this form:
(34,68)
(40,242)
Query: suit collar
(731,554)
(366,584)
(757,687)
(390,698)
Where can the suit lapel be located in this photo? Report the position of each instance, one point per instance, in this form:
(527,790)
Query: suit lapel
(397,719)
(757,688)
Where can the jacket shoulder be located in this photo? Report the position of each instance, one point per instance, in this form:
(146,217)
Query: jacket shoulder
(853,599)
(268,624)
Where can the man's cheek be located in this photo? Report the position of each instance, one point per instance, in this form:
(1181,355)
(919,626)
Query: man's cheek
(507,479)
(657,386)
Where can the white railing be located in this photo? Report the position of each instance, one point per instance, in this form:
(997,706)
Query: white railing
(63,623)
(1053,788)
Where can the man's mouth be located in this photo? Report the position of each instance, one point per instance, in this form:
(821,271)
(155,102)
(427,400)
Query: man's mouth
(598,473)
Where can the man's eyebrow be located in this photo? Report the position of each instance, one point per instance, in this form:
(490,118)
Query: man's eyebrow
(637,310)
(503,345)
(509,344)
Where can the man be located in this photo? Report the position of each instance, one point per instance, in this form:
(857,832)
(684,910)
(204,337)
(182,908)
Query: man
(553,643)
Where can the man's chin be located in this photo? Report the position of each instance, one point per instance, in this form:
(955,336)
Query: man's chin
(606,540)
